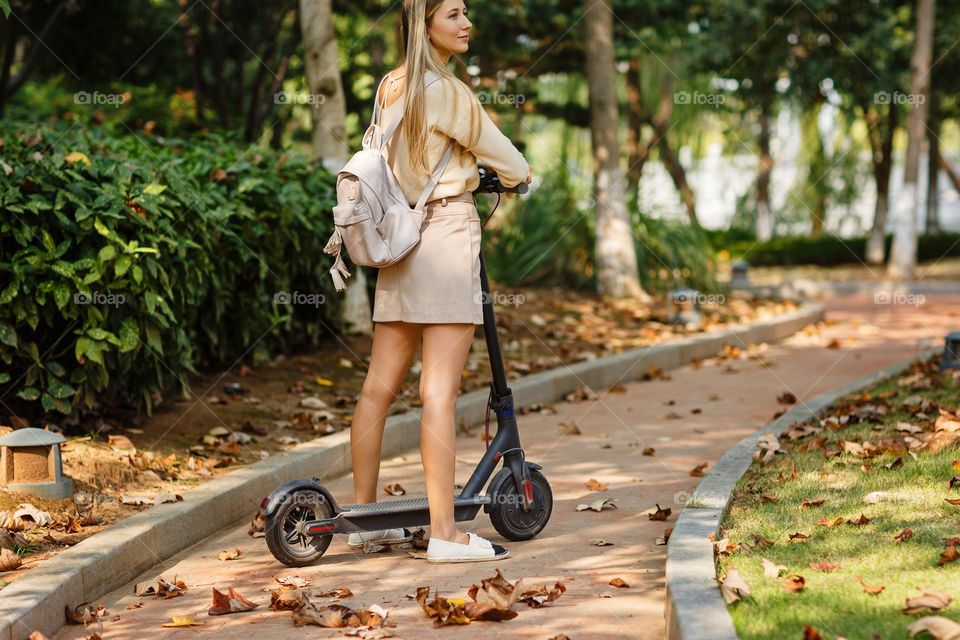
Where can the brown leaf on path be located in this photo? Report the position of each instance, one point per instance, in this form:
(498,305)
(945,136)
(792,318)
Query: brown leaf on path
(872,589)
(862,520)
(787,398)
(799,536)
(230,602)
(496,590)
(183,621)
(759,542)
(339,592)
(395,490)
(806,503)
(570,429)
(85,613)
(660,514)
(824,566)
(938,627)
(771,569)
(539,595)
(286,599)
(933,600)
(595,485)
(600,542)
(290,581)
(255,530)
(733,587)
(649,451)
(232,554)
(906,534)
(619,583)
(598,505)
(160,588)
(793,583)
(724,547)
(665,538)
(697,471)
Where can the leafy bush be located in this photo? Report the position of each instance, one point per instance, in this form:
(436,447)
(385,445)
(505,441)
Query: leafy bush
(127,262)
(825,251)
(549,238)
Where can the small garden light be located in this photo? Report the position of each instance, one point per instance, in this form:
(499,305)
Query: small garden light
(740,277)
(951,352)
(30,462)
(686,307)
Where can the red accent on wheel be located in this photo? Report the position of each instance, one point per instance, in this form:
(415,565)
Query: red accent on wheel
(320,528)
(528,489)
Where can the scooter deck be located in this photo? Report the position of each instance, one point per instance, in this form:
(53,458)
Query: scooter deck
(410,504)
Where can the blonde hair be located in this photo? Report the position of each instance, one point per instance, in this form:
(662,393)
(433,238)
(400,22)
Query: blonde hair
(420,57)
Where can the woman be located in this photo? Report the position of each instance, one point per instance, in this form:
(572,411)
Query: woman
(432,294)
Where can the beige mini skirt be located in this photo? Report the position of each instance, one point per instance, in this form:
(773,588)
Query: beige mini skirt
(439,280)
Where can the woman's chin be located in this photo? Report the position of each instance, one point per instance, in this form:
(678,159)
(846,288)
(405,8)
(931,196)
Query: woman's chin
(462,47)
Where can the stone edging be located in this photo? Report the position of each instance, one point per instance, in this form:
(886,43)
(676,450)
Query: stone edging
(113,557)
(695,610)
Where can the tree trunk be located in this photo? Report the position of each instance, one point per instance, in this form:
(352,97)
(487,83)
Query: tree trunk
(219,63)
(13,84)
(881,161)
(764,221)
(329,140)
(617,272)
(637,153)
(933,168)
(196,62)
(903,256)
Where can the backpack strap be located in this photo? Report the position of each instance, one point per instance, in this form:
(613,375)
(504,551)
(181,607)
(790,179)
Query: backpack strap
(429,79)
(435,177)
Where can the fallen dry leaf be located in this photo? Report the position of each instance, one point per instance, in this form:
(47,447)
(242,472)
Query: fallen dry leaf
(793,583)
(933,600)
(183,621)
(872,589)
(938,627)
(949,553)
(733,587)
(830,522)
(286,599)
(232,554)
(862,520)
(649,451)
(697,471)
(660,514)
(619,583)
(665,538)
(765,499)
(395,490)
(595,485)
(906,534)
(600,542)
(771,569)
(230,602)
(799,536)
(806,503)
(598,505)
(824,566)
(9,560)
(85,613)
(339,592)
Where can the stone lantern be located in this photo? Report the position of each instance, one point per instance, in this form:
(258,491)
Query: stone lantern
(951,352)
(685,307)
(30,462)
(740,278)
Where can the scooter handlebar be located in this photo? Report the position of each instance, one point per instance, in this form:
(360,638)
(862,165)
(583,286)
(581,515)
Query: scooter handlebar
(490,183)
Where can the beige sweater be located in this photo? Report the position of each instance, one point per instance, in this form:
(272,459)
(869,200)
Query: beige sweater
(492,149)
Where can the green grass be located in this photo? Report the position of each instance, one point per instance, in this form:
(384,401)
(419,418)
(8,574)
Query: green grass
(834,602)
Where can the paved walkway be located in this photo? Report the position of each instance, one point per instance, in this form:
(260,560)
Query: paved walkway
(689,419)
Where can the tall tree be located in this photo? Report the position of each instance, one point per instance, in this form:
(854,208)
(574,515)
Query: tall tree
(617,272)
(903,257)
(328,111)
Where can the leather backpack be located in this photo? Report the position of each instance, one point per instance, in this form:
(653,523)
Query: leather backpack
(373,220)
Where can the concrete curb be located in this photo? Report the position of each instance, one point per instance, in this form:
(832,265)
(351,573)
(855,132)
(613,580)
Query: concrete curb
(695,610)
(112,558)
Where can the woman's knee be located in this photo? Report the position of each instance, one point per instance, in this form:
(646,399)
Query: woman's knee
(378,392)
(437,397)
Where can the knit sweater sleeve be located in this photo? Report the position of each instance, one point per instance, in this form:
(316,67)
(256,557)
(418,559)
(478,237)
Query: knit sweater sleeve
(466,121)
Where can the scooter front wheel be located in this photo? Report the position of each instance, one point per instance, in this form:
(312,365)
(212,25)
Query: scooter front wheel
(286,533)
(507,514)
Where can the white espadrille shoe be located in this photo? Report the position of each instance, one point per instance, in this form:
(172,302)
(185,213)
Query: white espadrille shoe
(478,549)
(386,536)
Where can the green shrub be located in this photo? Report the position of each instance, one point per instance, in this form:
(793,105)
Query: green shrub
(825,251)
(127,262)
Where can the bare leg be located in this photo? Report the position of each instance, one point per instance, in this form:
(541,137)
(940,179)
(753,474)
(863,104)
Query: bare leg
(394,345)
(445,349)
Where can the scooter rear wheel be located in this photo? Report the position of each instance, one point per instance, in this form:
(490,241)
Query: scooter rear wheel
(509,518)
(285,533)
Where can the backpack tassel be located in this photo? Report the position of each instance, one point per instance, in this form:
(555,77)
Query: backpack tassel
(339,270)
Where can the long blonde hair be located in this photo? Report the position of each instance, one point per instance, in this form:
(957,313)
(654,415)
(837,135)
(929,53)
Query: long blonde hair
(420,58)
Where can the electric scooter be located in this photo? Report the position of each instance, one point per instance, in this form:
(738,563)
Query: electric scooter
(302,515)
